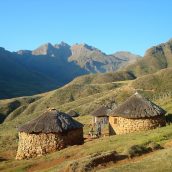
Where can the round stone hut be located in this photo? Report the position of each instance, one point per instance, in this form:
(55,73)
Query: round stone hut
(136,114)
(51,131)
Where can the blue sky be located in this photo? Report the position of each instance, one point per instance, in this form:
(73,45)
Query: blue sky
(110,25)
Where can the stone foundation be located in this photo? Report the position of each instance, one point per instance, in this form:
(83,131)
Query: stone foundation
(119,125)
(32,145)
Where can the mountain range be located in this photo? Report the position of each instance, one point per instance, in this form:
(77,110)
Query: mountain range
(50,66)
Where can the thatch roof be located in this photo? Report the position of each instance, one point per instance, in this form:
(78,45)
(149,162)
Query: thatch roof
(73,113)
(137,107)
(102,111)
(51,121)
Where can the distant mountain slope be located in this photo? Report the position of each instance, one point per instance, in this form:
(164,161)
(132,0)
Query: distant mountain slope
(93,60)
(24,73)
(17,79)
(155,58)
(80,87)
(128,56)
(50,66)
(103,78)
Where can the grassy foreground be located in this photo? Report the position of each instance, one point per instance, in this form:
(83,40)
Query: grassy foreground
(160,161)
(59,161)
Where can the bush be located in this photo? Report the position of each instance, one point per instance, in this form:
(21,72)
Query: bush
(137,150)
(168,118)
(154,146)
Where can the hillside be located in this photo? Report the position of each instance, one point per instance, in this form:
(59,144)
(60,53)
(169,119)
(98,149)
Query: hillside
(47,67)
(127,56)
(159,82)
(155,58)
(85,94)
(81,87)
(103,78)
(18,79)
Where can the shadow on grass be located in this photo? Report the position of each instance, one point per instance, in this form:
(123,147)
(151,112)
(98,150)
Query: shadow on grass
(2,159)
(168,118)
(2,118)
(121,157)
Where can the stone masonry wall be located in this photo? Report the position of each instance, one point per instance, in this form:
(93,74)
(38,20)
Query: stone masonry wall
(119,125)
(32,145)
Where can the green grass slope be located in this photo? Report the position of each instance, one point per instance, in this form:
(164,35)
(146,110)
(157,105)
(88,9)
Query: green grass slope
(119,143)
(86,93)
(156,162)
(80,91)
(157,84)
(104,78)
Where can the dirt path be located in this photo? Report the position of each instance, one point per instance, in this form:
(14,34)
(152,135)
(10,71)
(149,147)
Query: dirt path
(168,144)
(45,165)
(10,154)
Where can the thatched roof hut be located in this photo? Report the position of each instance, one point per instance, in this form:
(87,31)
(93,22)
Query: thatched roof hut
(73,113)
(135,114)
(100,114)
(101,111)
(51,131)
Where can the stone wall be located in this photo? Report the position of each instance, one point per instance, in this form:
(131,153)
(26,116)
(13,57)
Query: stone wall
(119,125)
(32,145)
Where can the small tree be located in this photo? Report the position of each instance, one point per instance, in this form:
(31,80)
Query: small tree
(71,98)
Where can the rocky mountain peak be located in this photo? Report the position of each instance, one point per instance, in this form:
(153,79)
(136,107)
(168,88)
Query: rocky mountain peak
(89,47)
(45,49)
(2,49)
(62,45)
(84,49)
(24,52)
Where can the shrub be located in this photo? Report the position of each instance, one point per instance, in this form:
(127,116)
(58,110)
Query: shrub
(154,146)
(137,150)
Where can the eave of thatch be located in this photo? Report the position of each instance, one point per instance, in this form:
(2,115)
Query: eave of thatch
(73,113)
(51,121)
(137,107)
